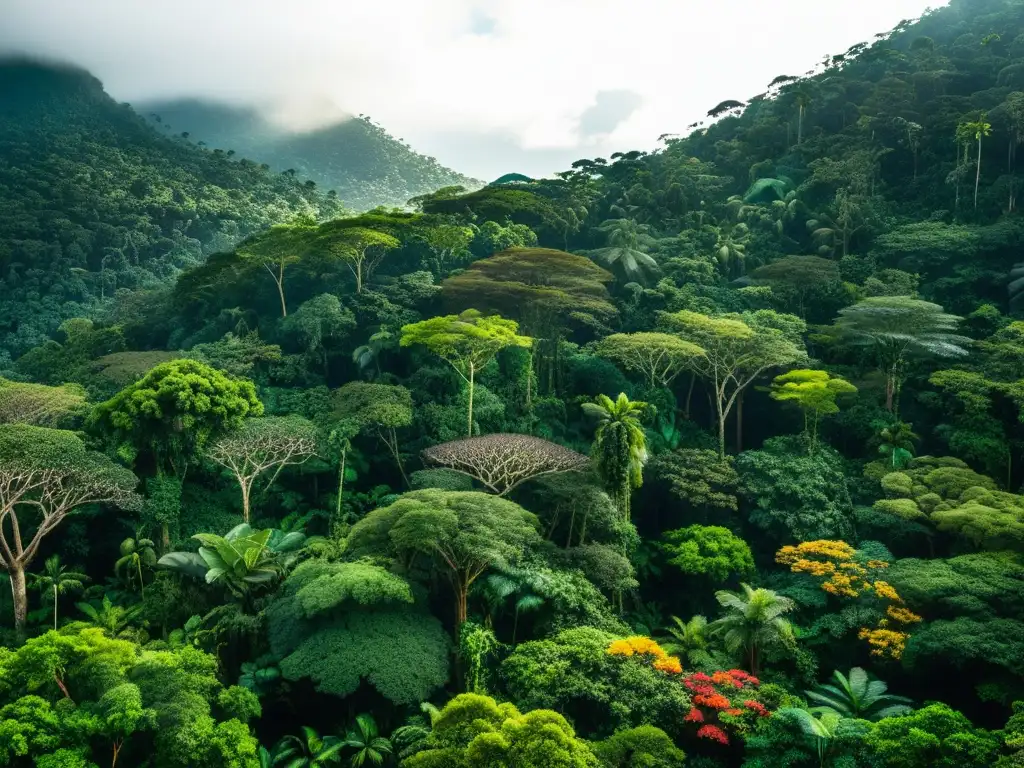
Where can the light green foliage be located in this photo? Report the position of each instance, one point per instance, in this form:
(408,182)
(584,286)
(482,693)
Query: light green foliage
(642,747)
(464,532)
(738,348)
(954,498)
(897,328)
(57,580)
(752,621)
(857,696)
(467,342)
(262,445)
(934,736)
(160,705)
(659,357)
(814,392)
(341,623)
(572,673)
(796,495)
(474,730)
(619,450)
(45,474)
(173,411)
(361,249)
(40,405)
(382,409)
(708,550)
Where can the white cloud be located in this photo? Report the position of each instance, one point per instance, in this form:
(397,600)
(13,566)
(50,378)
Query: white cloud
(447,73)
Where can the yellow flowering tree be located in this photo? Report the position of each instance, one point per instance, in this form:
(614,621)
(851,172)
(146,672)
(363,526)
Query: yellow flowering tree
(843,575)
(638,645)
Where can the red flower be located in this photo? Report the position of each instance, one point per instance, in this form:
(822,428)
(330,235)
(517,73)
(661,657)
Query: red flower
(756,707)
(694,716)
(714,733)
(743,677)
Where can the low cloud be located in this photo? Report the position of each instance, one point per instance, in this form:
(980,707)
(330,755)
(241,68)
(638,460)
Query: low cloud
(550,78)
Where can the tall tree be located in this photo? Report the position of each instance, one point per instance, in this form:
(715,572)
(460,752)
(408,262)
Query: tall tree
(897,328)
(166,418)
(45,474)
(752,621)
(360,248)
(737,350)
(465,532)
(814,392)
(467,342)
(56,578)
(976,130)
(382,408)
(659,357)
(626,251)
(262,445)
(274,250)
(620,446)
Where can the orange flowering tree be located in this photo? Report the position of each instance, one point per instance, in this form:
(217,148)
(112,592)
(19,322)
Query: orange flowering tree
(723,702)
(844,575)
(638,645)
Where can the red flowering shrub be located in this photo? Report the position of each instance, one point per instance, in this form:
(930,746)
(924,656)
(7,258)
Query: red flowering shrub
(723,700)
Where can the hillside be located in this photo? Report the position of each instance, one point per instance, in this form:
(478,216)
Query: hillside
(357,158)
(711,456)
(93,200)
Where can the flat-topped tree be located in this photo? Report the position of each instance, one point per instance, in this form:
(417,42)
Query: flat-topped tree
(275,249)
(381,408)
(659,357)
(361,249)
(38,404)
(261,445)
(503,461)
(738,348)
(45,474)
(467,342)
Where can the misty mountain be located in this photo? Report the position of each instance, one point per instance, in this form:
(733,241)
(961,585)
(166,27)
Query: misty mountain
(356,157)
(93,201)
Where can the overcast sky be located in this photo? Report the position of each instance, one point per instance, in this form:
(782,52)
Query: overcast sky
(486,86)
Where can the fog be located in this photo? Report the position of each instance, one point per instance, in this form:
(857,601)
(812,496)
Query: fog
(486,86)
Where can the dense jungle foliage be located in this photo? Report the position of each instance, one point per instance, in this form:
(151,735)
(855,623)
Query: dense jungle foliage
(710,456)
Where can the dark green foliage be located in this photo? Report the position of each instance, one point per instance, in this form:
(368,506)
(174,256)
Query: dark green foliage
(934,736)
(572,673)
(641,747)
(794,495)
(341,623)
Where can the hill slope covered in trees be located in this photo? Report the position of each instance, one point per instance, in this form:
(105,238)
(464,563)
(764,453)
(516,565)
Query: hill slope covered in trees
(93,200)
(357,158)
(705,457)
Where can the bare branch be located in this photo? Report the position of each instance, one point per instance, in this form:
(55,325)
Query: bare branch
(503,461)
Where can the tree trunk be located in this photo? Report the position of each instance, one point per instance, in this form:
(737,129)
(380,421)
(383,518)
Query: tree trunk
(800,126)
(55,606)
(469,415)
(393,445)
(19,593)
(739,422)
(359,276)
(890,389)
(977,174)
(689,396)
(245,501)
(461,600)
(341,485)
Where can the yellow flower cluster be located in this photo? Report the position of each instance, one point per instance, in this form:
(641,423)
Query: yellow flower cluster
(845,577)
(638,645)
(887,643)
(902,615)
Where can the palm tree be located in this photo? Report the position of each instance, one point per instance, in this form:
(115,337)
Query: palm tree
(897,442)
(626,252)
(975,130)
(311,750)
(858,696)
(731,248)
(620,445)
(822,730)
(136,553)
(59,579)
(515,583)
(112,619)
(688,639)
(753,621)
(368,743)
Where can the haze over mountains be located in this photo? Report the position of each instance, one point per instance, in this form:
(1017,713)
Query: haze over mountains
(356,157)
